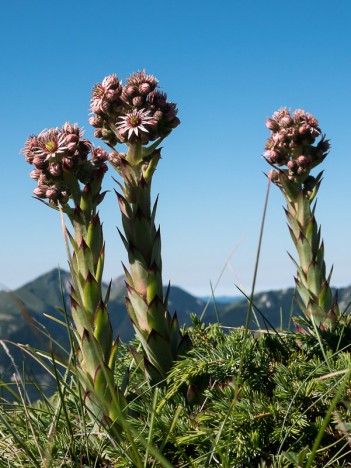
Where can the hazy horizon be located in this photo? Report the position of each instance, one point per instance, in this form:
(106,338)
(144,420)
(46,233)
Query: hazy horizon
(200,293)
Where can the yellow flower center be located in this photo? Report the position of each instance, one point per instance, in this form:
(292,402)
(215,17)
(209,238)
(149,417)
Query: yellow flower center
(50,146)
(134,120)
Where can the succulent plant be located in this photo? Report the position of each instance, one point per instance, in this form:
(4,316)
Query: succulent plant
(70,169)
(292,151)
(137,114)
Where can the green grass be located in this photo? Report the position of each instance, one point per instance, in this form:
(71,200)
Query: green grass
(288,403)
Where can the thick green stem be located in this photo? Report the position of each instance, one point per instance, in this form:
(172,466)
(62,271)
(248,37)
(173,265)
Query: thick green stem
(159,333)
(312,283)
(97,351)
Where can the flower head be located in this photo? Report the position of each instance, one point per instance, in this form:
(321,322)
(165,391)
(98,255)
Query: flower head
(133,125)
(50,144)
(134,112)
(291,142)
(57,155)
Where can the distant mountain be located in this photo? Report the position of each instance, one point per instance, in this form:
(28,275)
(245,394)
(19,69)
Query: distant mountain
(23,309)
(22,315)
(222,299)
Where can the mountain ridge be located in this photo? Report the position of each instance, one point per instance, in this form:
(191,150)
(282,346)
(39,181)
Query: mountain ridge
(24,313)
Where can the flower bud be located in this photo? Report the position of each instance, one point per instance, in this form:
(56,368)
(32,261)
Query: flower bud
(282,135)
(95,121)
(303,129)
(128,91)
(280,113)
(67,164)
(69,129)
(40,191)
(303,161)
(40,163)
(273,176)
(55,169)
(292,165)
(271,124)
(144,89)
(111,82)
(98,133)
(272,156)
(158,115)
(311,120)
(299,116)
(52,193)
(99,155)
(35,174)
(138,101)
(291,133)
(285,121)
(71,142)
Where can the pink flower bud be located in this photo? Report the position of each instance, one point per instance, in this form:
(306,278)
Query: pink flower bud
(282,135)
(299,115)
(311,120)
(52,193)
(271,124)
(98,133)
(35,174)
(129,91)
(111,95)
(285,121)
(55,169)
(272,156)
(291,132)
(158,115)
(303,161)
(67,164)
(71,142)
(138,101)
(95,121)
(69,129)
(111,82)
(273,176)
(303,129)
(144,89)
(99,155)
(40,191)
(280,113)
(40,163)
(292,165)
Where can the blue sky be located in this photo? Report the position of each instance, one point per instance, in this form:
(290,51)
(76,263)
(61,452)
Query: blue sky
(228,64)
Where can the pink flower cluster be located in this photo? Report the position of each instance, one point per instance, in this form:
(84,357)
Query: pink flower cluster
(130,113)
(57,154)
(291,142)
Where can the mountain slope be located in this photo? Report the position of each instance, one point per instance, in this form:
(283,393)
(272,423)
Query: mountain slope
(22,310)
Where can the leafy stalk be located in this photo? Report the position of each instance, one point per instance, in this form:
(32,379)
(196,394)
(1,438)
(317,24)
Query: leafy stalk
(158,332)
(291,145)
(137,114)
(64,174)
(312,283)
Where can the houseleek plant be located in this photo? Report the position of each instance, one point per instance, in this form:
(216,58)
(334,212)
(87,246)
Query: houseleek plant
(296,146)
(69,171)
(139,116)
